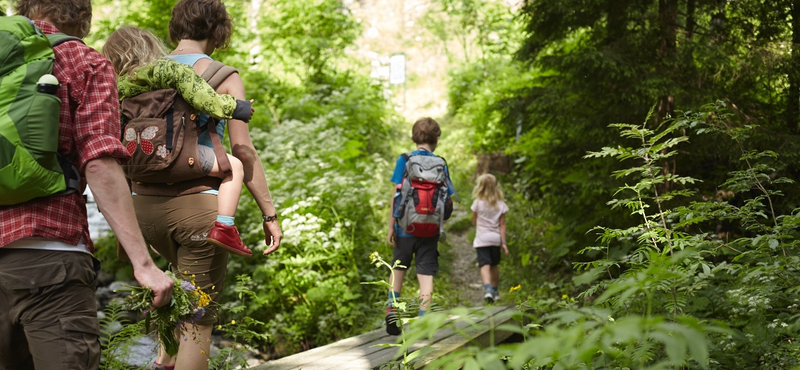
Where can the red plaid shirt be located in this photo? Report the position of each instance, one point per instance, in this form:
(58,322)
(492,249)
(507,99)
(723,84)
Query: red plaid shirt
(89,129)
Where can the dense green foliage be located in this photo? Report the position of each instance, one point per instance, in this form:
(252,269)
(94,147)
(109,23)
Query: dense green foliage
(583,65)
(698,236)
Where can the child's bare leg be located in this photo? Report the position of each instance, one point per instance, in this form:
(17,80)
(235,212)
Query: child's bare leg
(425,292)
(231,187)
(224,234)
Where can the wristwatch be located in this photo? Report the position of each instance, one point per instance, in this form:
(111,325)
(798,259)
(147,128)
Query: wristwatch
(269,218)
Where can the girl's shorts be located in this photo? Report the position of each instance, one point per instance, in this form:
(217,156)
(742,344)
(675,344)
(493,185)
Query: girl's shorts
(488,256)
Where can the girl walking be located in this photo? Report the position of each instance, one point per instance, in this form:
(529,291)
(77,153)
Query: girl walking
(489,216)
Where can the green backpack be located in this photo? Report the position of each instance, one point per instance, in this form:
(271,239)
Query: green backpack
(30,166)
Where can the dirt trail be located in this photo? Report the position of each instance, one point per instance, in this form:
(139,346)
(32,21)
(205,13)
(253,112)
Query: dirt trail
(465,276)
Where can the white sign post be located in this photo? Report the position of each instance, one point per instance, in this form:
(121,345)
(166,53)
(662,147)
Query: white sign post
(397,72)
(397,69)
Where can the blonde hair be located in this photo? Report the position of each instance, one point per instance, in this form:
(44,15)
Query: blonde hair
(130,47)
(487,189)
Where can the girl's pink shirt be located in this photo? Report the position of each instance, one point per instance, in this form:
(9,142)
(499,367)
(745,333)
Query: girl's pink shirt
(487,232)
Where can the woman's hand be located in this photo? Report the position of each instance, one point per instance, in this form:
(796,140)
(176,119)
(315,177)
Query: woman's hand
(391,237)
(505,249)
(272,236)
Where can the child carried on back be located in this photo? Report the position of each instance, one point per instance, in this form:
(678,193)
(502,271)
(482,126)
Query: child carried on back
(138,59)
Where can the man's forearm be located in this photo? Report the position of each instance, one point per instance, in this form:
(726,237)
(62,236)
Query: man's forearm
(107,182)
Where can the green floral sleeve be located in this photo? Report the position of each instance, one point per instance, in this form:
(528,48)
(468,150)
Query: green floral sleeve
(167,74)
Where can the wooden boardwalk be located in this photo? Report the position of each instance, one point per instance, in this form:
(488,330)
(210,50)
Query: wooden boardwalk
(364,352)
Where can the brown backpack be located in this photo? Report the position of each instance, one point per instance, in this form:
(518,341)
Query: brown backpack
(160,132)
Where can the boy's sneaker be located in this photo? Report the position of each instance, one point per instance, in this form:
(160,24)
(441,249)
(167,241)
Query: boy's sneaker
(392,322)
(489,298)
(227,238)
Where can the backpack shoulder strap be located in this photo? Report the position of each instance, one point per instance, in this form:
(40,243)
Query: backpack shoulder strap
(216,72)
(406,156)
(59,38)
(448,182)
(71,173)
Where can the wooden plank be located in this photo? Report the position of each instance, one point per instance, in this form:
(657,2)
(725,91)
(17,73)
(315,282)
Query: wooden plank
(384,355)
(373,357)
(486,336)
(390,354)
(327,351)
(361,352)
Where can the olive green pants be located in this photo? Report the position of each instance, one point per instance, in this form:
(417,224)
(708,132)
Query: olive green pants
(177,228)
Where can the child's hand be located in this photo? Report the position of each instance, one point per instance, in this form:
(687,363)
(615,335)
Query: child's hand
(505,249)
(244,110)
(391,237)
(252,110)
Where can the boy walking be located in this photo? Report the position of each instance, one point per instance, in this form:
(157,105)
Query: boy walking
(424,250)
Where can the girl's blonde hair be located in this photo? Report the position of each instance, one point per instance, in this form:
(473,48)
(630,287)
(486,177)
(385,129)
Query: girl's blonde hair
(487,189)
(131,47)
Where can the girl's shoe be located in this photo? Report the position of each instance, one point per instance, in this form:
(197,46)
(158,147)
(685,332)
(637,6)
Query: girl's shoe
(227,238)
(489,298)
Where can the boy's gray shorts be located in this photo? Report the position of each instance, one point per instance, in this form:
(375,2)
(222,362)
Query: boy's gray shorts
(424,250)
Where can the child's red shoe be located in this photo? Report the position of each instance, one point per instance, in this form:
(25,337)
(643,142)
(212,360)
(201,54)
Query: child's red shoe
(227,238)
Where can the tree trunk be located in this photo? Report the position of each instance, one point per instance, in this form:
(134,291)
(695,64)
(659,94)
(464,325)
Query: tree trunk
(691,7)
(667,47)
(793,104)
(667,60)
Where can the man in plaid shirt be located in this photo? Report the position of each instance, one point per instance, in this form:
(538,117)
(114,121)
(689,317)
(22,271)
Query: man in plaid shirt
(48,312)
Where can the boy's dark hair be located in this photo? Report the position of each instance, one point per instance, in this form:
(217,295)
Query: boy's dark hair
(73,17)
(425,131)
(201,20)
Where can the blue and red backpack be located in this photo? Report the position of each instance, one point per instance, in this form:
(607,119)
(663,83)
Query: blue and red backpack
(423,199)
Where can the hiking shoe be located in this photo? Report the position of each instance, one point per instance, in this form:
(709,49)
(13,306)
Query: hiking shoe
(392,322)
(489,298)
(227,238)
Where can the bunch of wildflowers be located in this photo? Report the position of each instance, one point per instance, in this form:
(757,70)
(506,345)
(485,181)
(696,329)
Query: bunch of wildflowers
(188,305)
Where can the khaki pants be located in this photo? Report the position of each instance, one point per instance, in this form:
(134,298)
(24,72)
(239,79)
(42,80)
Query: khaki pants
(48,311)
(177,228)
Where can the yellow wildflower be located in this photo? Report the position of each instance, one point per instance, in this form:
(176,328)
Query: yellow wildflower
(564,296)
(515,288)
(203,298)
(233,322)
